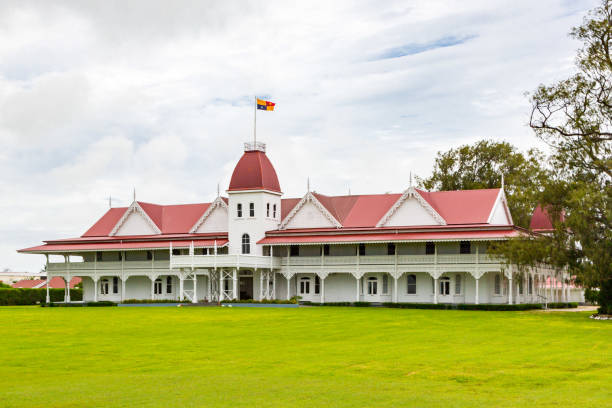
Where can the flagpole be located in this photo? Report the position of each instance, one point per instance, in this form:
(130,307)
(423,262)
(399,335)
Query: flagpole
(255,125)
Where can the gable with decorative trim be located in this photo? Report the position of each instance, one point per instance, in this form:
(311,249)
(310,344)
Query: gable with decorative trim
(309,216)
(135,224)
(215,221)
(500,214)
(411,209)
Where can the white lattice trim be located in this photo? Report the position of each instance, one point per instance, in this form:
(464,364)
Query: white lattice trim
(411,193)
(219,202)
(309,197)
(135,208)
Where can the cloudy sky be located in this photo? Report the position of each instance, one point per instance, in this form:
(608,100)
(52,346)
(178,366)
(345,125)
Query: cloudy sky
(99,97)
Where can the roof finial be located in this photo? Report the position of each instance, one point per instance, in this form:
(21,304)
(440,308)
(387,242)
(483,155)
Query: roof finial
(502,181)
(410,179)
(218,190)
(134,193)
(308,184)
(349,187)
(110,201)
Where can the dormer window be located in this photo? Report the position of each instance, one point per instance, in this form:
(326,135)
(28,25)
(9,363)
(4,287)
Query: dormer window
(251,209)
(268,210)
(274,211)
(239,210)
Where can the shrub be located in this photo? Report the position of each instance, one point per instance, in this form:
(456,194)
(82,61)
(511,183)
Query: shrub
(562,305)
(463,306)
(143,301)
(80,304)
(362,304)
(264,301)
(24,296)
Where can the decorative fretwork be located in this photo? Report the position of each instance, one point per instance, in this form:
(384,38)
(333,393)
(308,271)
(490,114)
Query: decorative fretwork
(218,203)
(411,192)
(309,197)
(135,208)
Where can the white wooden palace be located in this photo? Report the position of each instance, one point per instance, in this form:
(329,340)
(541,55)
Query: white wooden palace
(416,246)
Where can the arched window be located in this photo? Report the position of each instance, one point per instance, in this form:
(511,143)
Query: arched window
(157,286)
(411,284)
(497,284)
(445,286)
(372,285)
(169,284)
(104,287)
(457,284)
(246,244)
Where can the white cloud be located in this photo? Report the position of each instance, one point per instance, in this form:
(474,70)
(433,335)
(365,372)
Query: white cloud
(99,97)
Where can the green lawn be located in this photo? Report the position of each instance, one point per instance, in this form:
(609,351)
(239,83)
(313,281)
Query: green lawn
(306,357)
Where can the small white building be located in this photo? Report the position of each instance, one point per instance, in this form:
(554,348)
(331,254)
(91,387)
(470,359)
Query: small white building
(415,246)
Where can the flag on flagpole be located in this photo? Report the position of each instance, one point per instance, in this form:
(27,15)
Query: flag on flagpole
(265,105)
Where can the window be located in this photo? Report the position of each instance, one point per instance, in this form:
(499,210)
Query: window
(294,250)
(465,247)
(361,249)
(390,249)
(445,286)
(274,211)
(268,210)
(239,210)
(246,244)
(326,249)
(99,256)
(169,284)
(251,209)
(115,285)
(457,284)
(157,286)
(176,251)
(411,284)
(520,286)
(104,287)
(317,285)
(305,286)
(430,248)
(385,284)
(149,256)
(530,285)
(497,284)
(372,286)
(120,256)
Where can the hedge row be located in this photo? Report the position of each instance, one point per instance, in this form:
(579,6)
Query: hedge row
(266,301)
(439,306)
(22,296)
(563,305)
(101,303)
(144,301)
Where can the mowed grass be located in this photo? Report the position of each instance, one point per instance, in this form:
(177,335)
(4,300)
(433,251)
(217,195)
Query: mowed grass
(306,357)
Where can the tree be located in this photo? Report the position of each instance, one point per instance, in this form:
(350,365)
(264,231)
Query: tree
(574,117)
(482,164)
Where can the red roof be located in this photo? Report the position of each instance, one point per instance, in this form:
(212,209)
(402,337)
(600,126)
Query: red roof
(455,207)
(121,245)
(254,171)
(386,237)
(55,283)
(170,219)
(540,220)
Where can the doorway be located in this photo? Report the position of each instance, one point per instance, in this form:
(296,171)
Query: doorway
(246,287)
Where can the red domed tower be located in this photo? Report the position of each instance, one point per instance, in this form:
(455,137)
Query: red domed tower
(254,200)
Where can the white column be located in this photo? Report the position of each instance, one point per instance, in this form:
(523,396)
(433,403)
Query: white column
(181,287)
(357,293)
(322,290)
(435,291)
(563,289)
(221,285)
(68,289)
(152,287)
(195,287)
(395,288)
(235,287)
(510,290)
(261,284)
(122,288)
(288,287)
(273,294)
(477,297)
(95,289)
